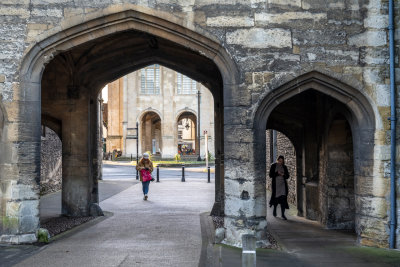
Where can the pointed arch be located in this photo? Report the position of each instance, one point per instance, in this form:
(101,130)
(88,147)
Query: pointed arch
(346,100)
(355,100)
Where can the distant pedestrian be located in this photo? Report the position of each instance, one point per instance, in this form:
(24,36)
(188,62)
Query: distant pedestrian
(279,174)
(145,168)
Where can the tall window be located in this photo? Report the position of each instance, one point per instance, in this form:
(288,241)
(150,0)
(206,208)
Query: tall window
(150,80)
(186,85)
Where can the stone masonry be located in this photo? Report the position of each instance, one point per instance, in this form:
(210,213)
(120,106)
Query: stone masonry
(263,61)
(284,147)
(51,161)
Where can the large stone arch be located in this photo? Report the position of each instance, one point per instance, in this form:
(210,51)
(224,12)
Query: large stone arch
(358,111)
(221,77)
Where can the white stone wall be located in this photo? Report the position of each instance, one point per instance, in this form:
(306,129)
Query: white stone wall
(169,106)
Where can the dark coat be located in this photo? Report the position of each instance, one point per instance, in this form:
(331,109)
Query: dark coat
(273,175)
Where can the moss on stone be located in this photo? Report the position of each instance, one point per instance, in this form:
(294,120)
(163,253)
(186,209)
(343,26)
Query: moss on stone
(9,222)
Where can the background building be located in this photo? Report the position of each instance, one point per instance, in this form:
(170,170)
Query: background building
(165,104)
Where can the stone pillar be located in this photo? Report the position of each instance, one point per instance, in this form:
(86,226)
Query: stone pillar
(245,191)
(124,116)
(77,180)
(218,208)
(96,151)
(20,166)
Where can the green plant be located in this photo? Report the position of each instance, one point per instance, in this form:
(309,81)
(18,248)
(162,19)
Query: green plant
(177,157)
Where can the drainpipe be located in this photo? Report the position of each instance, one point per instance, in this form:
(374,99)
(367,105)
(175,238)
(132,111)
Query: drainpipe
(393,219)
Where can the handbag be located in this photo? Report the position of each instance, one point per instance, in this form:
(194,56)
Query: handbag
(146,175)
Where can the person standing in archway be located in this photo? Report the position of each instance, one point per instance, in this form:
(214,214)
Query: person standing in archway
(145,168)
(279,174)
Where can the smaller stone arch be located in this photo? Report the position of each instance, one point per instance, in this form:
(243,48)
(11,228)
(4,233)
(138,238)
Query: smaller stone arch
(186,109)
(150,132)
(329,97)
(192,116)
(150,109)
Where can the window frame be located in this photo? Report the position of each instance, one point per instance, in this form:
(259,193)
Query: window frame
(156,80)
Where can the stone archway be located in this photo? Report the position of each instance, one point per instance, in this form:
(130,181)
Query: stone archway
(306,108)
(83,49)
(189,129)
(150,133)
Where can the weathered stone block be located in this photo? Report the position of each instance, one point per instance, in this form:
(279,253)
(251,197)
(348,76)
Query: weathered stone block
(322,4)
(260,38)
(270,18)
(219,235)
(319,37)
(236,115)
(230,21)
(376,21)
(295,3)
(29,224)
(372,206)
(22,191)
(383,95)
(14,11)
(369,38)
(234,133)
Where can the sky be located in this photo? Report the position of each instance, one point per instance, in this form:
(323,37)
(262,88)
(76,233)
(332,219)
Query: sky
(104,94)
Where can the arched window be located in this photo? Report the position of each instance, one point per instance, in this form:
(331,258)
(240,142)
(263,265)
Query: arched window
(150,80)
(186,86)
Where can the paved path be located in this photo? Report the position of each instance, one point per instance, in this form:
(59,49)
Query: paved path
(164,231)
(50,205)
(307,244)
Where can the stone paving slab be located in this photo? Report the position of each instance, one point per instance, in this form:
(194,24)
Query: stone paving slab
(305,243)
(164,231)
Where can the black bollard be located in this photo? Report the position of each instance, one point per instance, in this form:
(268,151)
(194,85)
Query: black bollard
(209,176)
(137,175)
(131,157)
(158,174)
(183,173)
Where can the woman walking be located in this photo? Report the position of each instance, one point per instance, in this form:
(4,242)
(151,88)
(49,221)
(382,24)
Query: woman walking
(145,168)
(279,174)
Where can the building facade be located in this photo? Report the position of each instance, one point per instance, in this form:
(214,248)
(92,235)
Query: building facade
(164,103)
(316,71)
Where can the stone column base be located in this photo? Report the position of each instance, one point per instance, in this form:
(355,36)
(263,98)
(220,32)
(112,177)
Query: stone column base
(18,239)
(236,227)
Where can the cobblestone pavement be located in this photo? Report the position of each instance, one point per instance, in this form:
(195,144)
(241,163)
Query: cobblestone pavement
(163,231)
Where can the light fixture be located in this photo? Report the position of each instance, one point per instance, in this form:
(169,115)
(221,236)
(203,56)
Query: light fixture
(187,126)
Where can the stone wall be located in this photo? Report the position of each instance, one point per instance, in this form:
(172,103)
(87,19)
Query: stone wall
(285,148)
(258,47)
(51,163)
(337,181)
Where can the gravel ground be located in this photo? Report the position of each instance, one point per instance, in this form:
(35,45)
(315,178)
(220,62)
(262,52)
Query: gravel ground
(218,221)
(58,225)
(272,241)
